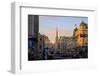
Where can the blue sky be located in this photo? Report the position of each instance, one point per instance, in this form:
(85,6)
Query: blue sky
(65,24)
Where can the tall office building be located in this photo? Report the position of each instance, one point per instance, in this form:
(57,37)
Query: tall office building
(33,28)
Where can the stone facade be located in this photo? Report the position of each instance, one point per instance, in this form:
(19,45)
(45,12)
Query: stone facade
(81,34)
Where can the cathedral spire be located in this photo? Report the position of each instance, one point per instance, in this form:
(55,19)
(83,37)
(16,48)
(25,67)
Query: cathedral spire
(56,39)
(56,34)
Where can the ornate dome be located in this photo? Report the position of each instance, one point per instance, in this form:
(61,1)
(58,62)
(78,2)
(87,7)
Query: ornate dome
(75,29)
(83,25)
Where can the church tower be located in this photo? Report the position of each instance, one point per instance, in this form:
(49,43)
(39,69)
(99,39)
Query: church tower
(57,35)
(56,39)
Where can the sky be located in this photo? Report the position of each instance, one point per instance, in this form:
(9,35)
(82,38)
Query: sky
(65,25)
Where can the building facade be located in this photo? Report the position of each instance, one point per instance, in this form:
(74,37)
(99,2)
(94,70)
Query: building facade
(43,44)
(62,45)
(81,34)
(33,21)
